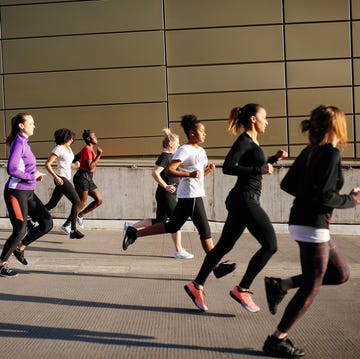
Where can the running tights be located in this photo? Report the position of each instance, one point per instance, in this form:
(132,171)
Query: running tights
(247,214)
(321,264)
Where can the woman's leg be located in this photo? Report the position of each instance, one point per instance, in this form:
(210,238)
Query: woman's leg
(70,193)
(55,197)
(232,230)
(314,259)
(260,226)
(39,213)
(17,206)
(97,201)
(166,203)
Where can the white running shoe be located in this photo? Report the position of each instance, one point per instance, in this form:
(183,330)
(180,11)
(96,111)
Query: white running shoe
(183,254)
(80,221)
(65,229)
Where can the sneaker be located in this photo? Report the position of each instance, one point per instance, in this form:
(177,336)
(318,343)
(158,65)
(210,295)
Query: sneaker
(281,348)
(197,296)
(126,225)
(183,254)
(223,269)
(245,299)
(19,255)
(130,237)
(76,235)
(80,221)
(7,272)
(274,293)
(65,229)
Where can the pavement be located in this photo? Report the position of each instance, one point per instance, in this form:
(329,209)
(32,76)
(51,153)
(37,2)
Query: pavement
(90,299)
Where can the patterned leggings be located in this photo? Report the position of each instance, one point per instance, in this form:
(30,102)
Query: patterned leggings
(321,264)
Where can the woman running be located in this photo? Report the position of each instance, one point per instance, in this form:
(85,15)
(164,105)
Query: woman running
(315,180)
(83,178)
(246,160)
(19,195)
(63,155)
(190,163)
(165,193)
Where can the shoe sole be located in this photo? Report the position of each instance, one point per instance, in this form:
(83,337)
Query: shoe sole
(125,243)
(183,257)
(275,354)
(188,291)
(9,276)
(242,304)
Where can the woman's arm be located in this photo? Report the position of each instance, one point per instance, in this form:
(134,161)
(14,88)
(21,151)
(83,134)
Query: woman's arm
(49,168)
(231,164)
(172,171)
(13,164)
(157,177)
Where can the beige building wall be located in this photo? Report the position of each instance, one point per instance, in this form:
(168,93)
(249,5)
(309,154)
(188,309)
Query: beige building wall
(128,68)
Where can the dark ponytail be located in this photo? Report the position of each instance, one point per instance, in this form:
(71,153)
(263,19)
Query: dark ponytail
(240,117)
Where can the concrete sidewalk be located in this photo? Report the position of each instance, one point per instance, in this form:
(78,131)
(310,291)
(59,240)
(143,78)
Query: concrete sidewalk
(89,299)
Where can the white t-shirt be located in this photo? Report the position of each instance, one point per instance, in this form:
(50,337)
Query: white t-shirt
(192,159)
(64,160)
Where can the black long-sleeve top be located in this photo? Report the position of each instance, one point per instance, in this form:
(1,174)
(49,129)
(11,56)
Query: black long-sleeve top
(245,160)
(315,179)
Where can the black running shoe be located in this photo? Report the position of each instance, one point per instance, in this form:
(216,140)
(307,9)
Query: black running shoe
(7,272)
(76,235)
(274,293)
(223,269)
(19,255)
(281,348)
(130,237)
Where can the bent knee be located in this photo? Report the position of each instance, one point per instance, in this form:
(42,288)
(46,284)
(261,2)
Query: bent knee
(48,225)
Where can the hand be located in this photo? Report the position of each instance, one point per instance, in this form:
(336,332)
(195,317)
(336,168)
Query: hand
(211,167)
(59,181)
(267,169)
(356,196)
(76,165)
(355,190)
(171,188)
(99,151)
(195,174)
(39,176)
(281,154)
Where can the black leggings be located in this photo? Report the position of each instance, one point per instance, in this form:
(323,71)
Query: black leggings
(321,264)
(68,190)
(244,212)
(190,207)
(20,204)
(165,205)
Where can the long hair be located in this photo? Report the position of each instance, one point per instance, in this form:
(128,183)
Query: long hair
(324,124)
(240,117)
(15,129)
(168,137)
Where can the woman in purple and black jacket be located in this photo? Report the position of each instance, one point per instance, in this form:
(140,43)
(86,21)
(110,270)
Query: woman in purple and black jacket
(19,195)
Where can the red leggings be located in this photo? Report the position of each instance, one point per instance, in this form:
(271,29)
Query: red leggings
(321,263)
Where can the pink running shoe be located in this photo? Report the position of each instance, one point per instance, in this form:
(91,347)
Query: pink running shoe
(197,296)
(245,299)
